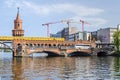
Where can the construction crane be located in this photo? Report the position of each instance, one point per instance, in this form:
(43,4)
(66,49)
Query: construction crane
(83,22)
(47,24)
(67,21)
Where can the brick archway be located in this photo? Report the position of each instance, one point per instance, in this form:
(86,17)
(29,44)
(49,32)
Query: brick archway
(79,53)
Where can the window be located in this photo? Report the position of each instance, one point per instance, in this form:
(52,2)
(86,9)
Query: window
(18,24)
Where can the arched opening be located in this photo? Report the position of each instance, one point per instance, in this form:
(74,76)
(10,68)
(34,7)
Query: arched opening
(38,45)
(19,44)
(51,54)
(101,54)
(44,54)
(79,53)
(19,47)
(42,45)
(31,45)
(38,54)
(54,45)
(27,45)
(35,45)
(49,45)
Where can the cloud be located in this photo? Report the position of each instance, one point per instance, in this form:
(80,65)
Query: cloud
(63,8)
(76,11)
(55,8)
(92,21)
(97,21)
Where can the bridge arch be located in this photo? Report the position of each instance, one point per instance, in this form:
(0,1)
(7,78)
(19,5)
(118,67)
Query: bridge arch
(79,53)
(50,53)
(102,53)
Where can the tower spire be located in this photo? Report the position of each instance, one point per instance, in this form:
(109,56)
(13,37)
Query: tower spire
(18,9)
(18,16)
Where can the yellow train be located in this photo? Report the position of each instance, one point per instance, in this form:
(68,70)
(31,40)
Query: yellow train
(10,38)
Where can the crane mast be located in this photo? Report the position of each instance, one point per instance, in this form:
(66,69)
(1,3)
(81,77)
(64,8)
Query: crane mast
(67,21)
(47,24)
(83,22)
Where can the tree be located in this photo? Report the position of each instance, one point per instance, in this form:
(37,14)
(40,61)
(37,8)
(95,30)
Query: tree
(116,37)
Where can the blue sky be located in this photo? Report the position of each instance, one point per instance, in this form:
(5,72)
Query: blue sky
(99,13)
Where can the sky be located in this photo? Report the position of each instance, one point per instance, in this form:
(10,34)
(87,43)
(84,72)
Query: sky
(34,13)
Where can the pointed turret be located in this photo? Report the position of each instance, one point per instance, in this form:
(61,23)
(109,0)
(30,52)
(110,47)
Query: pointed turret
(18,16)
(18,31)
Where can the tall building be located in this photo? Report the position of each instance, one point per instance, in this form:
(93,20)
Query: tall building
(94,35)
(65,32)
(106,35)
(80,36)
(57,35)
(68,31)
(18,31)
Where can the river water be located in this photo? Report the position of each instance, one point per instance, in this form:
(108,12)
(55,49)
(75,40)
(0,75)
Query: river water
(59,68)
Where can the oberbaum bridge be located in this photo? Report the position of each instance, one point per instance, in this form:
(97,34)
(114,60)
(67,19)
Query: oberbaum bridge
(25,46)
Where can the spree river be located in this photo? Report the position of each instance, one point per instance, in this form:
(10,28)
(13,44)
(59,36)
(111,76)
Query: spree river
(59,68)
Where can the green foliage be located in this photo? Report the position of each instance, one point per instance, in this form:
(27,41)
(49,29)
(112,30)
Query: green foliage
(117,40)
(117,52)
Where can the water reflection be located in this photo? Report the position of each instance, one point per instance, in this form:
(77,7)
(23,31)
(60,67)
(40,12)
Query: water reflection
(117,67)
(117,64)
(39,55)
(60,68)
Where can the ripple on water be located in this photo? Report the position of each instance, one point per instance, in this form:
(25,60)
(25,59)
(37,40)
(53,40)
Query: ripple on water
(60,68)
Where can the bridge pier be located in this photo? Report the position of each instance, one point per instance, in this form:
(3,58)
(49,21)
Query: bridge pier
(20,52)
(19,48)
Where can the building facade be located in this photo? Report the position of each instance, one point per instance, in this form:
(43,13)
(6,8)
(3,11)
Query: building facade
(57,35)
(106,35)
(94,35)
(65,33)
(80,36)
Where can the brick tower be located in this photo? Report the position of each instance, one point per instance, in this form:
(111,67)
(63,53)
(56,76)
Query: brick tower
(18,31)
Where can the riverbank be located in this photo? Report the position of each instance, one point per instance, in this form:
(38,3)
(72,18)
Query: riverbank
(115,54)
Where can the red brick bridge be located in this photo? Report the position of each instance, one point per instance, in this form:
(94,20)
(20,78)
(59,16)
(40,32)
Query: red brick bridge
(53,48)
